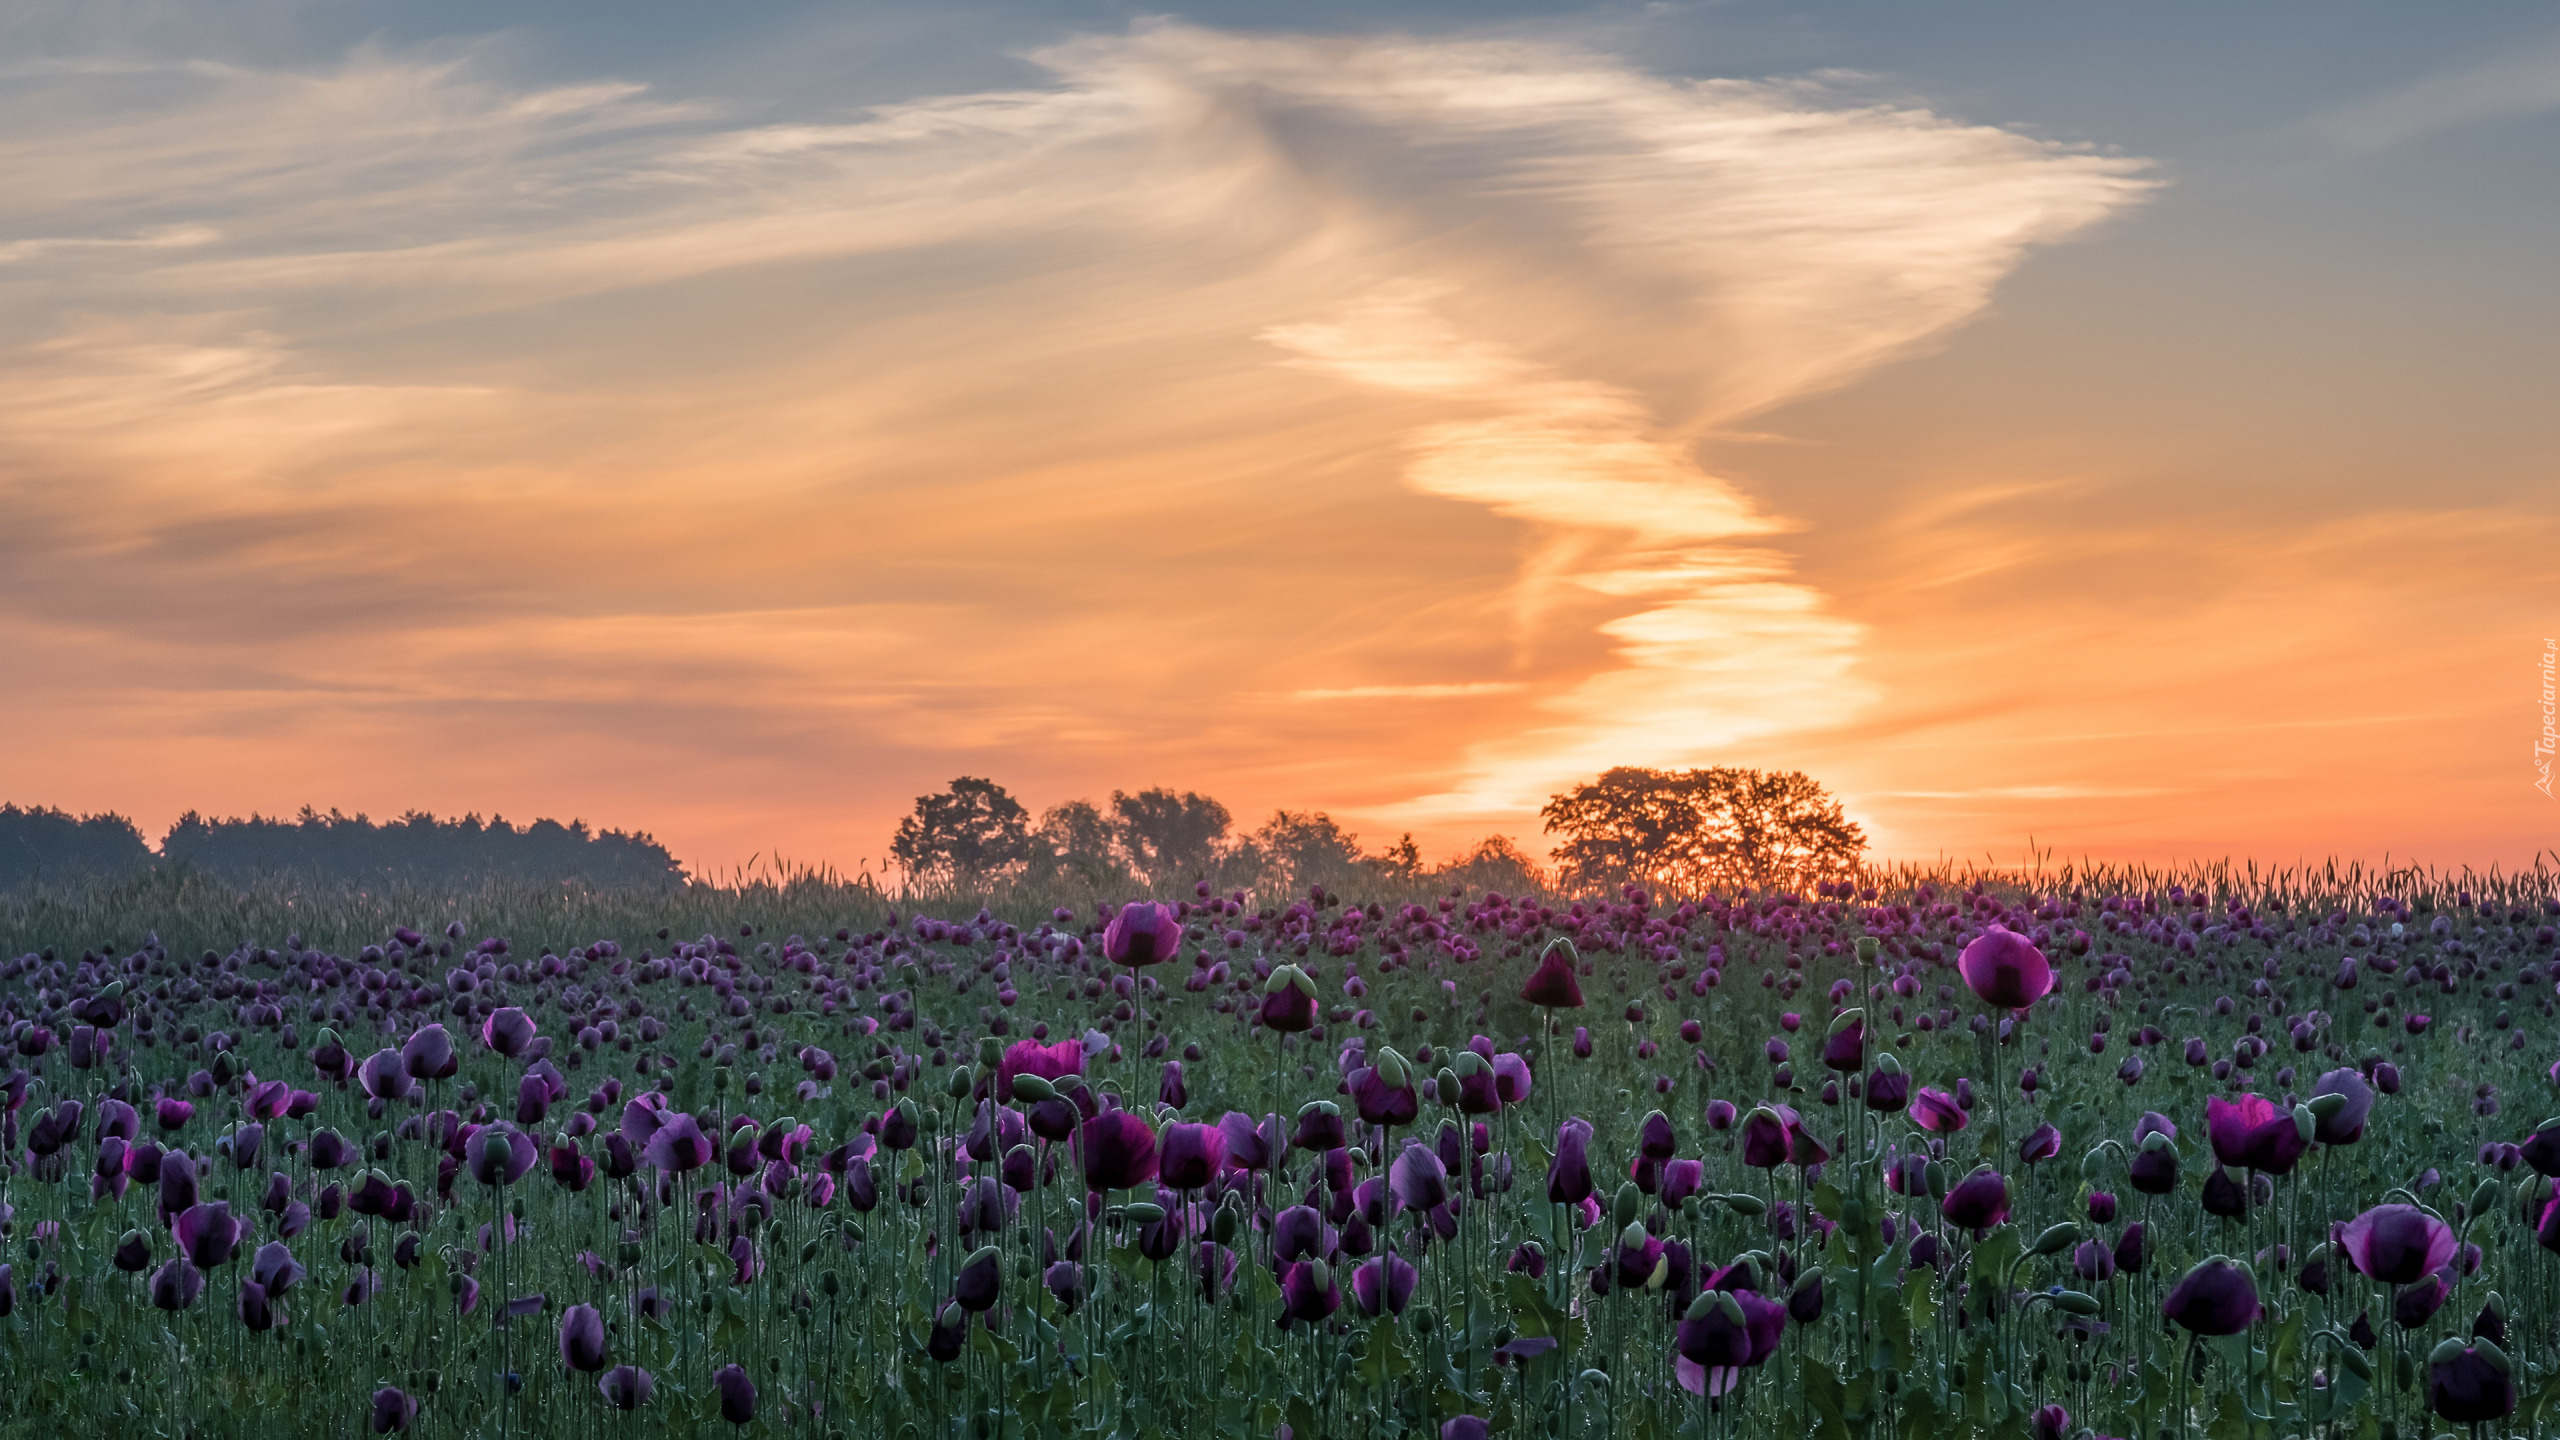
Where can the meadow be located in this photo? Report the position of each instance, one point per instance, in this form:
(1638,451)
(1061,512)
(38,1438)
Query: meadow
(1907,1153)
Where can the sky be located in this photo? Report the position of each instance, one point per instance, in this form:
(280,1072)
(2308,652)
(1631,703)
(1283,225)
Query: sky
(2119,433)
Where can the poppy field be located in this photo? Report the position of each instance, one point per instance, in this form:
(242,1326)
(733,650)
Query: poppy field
(1920,1155)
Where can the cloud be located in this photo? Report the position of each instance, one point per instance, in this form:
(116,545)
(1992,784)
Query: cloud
(2520,83)
(437,430)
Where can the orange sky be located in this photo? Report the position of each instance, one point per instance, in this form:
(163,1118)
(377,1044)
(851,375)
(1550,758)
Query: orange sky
(1405,428)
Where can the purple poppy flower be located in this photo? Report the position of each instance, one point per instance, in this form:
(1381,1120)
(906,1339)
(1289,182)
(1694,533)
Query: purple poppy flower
(1569,1175)
(1289,1004)
(207,1234)
(1379,1100)
(1888,1091)
(1117,1150)
(1511,1078)
(392,1410)
(2005,969)
(1418,1179)
(1383,1284)
(508,1031)
(2345,1125)
(582,1338)
(428,1055)
(382,1076)
(173,1114)
(1308,1291)
(275,1268)
(625,1387)
(2412,1306)
(1143,933)
(500,1155)
(2042,1144)
(676,1146)
(1192,1155)
(1936,1111)
(2470,1384)
(1680,1180)
(1845,1049)
(2396,1244)
(1553,985)
(1978,1201)
(2214,1298)
(176,1284)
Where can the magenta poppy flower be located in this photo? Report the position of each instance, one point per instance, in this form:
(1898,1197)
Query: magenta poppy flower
(1887,1092)
(1308,1291)
(173,1114)
(2005,969)
(2396,1244)
(1247,1147)
(1680,1180)
(1289,1005)
(1143,933)
(1381,1103)
(2041,1144)
(1845,1049)
(1767,1138)
(1721,1114)
(1553,985)
(1936,1111)
(1511,1078)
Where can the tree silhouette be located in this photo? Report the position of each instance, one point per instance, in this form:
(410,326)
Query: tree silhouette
(970,834)
(47,844)
(1168,837)
(1690,830)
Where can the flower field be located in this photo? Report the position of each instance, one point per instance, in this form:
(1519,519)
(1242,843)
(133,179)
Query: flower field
(1916,1155)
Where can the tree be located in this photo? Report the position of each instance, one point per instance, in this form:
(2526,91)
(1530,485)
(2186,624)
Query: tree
(1400,861)
(1494,863)
(43,843)
(1170,837)
(1695,829)
(969,835)
(1298,848)
(1077,843)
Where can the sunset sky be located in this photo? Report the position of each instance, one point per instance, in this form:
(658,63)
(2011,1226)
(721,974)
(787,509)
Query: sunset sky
(2126,427)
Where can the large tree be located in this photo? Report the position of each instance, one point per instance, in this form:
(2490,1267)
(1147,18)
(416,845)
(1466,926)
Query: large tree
(971,834)
(1170,838)
(1690,830)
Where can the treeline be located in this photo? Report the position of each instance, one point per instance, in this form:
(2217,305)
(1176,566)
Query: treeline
(974,836)
(48,845)
(1676,831)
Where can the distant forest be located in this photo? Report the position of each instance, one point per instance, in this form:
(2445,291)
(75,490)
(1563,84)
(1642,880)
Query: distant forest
(53,845)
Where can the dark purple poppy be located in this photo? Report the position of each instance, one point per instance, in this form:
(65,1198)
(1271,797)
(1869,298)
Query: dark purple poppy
(1888,1091)
(1418,1179)
(2153,1170)
(2130,1248)
(173,1114)
(1464,1427)
(1383,1094)
(428,1055)
(979,1280)
(2396,1244)
(582,1338)
(392,1410)
(1978,1201)
(2041,1144)
(2215,1298)
(275,1268)
(133,1252)
(2224,1196)
(1845,1049)
(1117,1150)
(1046,1062)
(500,1155)
(1569,1175)
(2470,1384)
(1936,1111)
(2049,1422)
(207,1234)
(2005,969)
(1767,1138)
(677,1145)
(2343,1125)
(508,1031)
(382,1077)
(1143,933)
(2102,1208)
(1289,1001)
(1192,1156)
(1553,985)
(176,1284)
(625,1387)
(737,1394)
(1383,1284)
(1308,1291)
(1680,1180)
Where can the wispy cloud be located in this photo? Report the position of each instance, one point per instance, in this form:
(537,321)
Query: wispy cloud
(436,429)
(2522,82)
